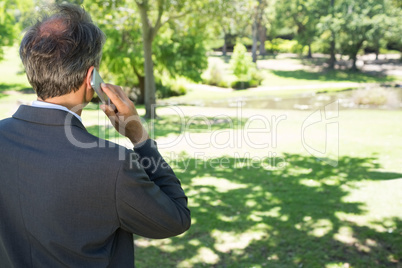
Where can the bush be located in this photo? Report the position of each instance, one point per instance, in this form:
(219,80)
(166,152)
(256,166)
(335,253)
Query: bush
(240,84)
(256,76)
(215,76)
(241,63)
(170,88)
(375,96)
(223,83)
(244,69)
(279,45)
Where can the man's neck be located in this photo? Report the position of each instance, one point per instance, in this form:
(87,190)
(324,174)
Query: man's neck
(76,108)
(74,101)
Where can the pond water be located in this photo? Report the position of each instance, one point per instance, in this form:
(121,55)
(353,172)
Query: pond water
(379,98)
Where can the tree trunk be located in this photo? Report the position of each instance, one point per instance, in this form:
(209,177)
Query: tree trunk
(141,79)
(332,59)
(263,38)
(141,97)
(354,60)
(310,54)
(354,66)
(150,88)
(355,51)
(141,84)
(377,53)
(254,47)
(225,45)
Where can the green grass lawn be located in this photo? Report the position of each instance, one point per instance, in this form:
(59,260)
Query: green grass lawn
(282,82)
(276,206)
(12,76)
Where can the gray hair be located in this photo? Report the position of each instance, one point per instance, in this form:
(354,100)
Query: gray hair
(59,49)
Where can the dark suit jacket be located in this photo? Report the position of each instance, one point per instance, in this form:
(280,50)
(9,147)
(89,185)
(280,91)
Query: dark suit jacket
(62,205)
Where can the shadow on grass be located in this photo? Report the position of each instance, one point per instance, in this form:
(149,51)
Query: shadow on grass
(334,76)
(271,214)
(14,87)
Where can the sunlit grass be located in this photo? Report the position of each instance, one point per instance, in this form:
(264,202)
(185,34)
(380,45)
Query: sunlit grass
(255,209)
(268,220)
(11,70)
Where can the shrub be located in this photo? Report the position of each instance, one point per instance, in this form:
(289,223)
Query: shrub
(375,96)
(241,63)
(256,76)
(171,88)
(279,45)
(240,84)
(214,75)
(224,83)
(244,69)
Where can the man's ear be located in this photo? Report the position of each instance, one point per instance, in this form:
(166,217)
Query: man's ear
(88,77)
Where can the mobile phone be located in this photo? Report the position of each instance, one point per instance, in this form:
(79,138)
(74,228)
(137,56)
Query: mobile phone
(96,82)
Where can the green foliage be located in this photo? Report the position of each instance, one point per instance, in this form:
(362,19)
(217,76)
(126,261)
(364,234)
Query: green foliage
(244,69)
(360,23)
(215,75)
(169,87)
(178,48)
(240,84)
(394,36)
(241,63)
(279,45)
(357,21)
(302,16)
(7,25)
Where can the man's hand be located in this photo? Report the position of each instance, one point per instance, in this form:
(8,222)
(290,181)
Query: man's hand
(125,117)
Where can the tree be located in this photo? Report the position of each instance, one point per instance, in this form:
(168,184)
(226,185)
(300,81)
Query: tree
(7,25)
(304,15)
(393,37)
(241,63)
(161,12)
(258,26)
(14,17)
(229,18)
(133,51)
(381,25)
(332,52)
(357,21)
(329,27)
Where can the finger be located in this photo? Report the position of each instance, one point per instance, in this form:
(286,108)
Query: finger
(113,95)
(109,111)
(119,91)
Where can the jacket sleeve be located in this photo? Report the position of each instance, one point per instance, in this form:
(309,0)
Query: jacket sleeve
(149,199)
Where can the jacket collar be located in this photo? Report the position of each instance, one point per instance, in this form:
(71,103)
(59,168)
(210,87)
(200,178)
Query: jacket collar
(43,116)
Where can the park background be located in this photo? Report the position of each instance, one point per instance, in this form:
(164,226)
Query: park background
(282,120)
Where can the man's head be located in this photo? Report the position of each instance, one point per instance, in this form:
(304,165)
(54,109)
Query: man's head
(58,51)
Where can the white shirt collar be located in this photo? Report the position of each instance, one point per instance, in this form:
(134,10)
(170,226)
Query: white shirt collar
(47,105)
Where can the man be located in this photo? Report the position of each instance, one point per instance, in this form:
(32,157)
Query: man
(66,197)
